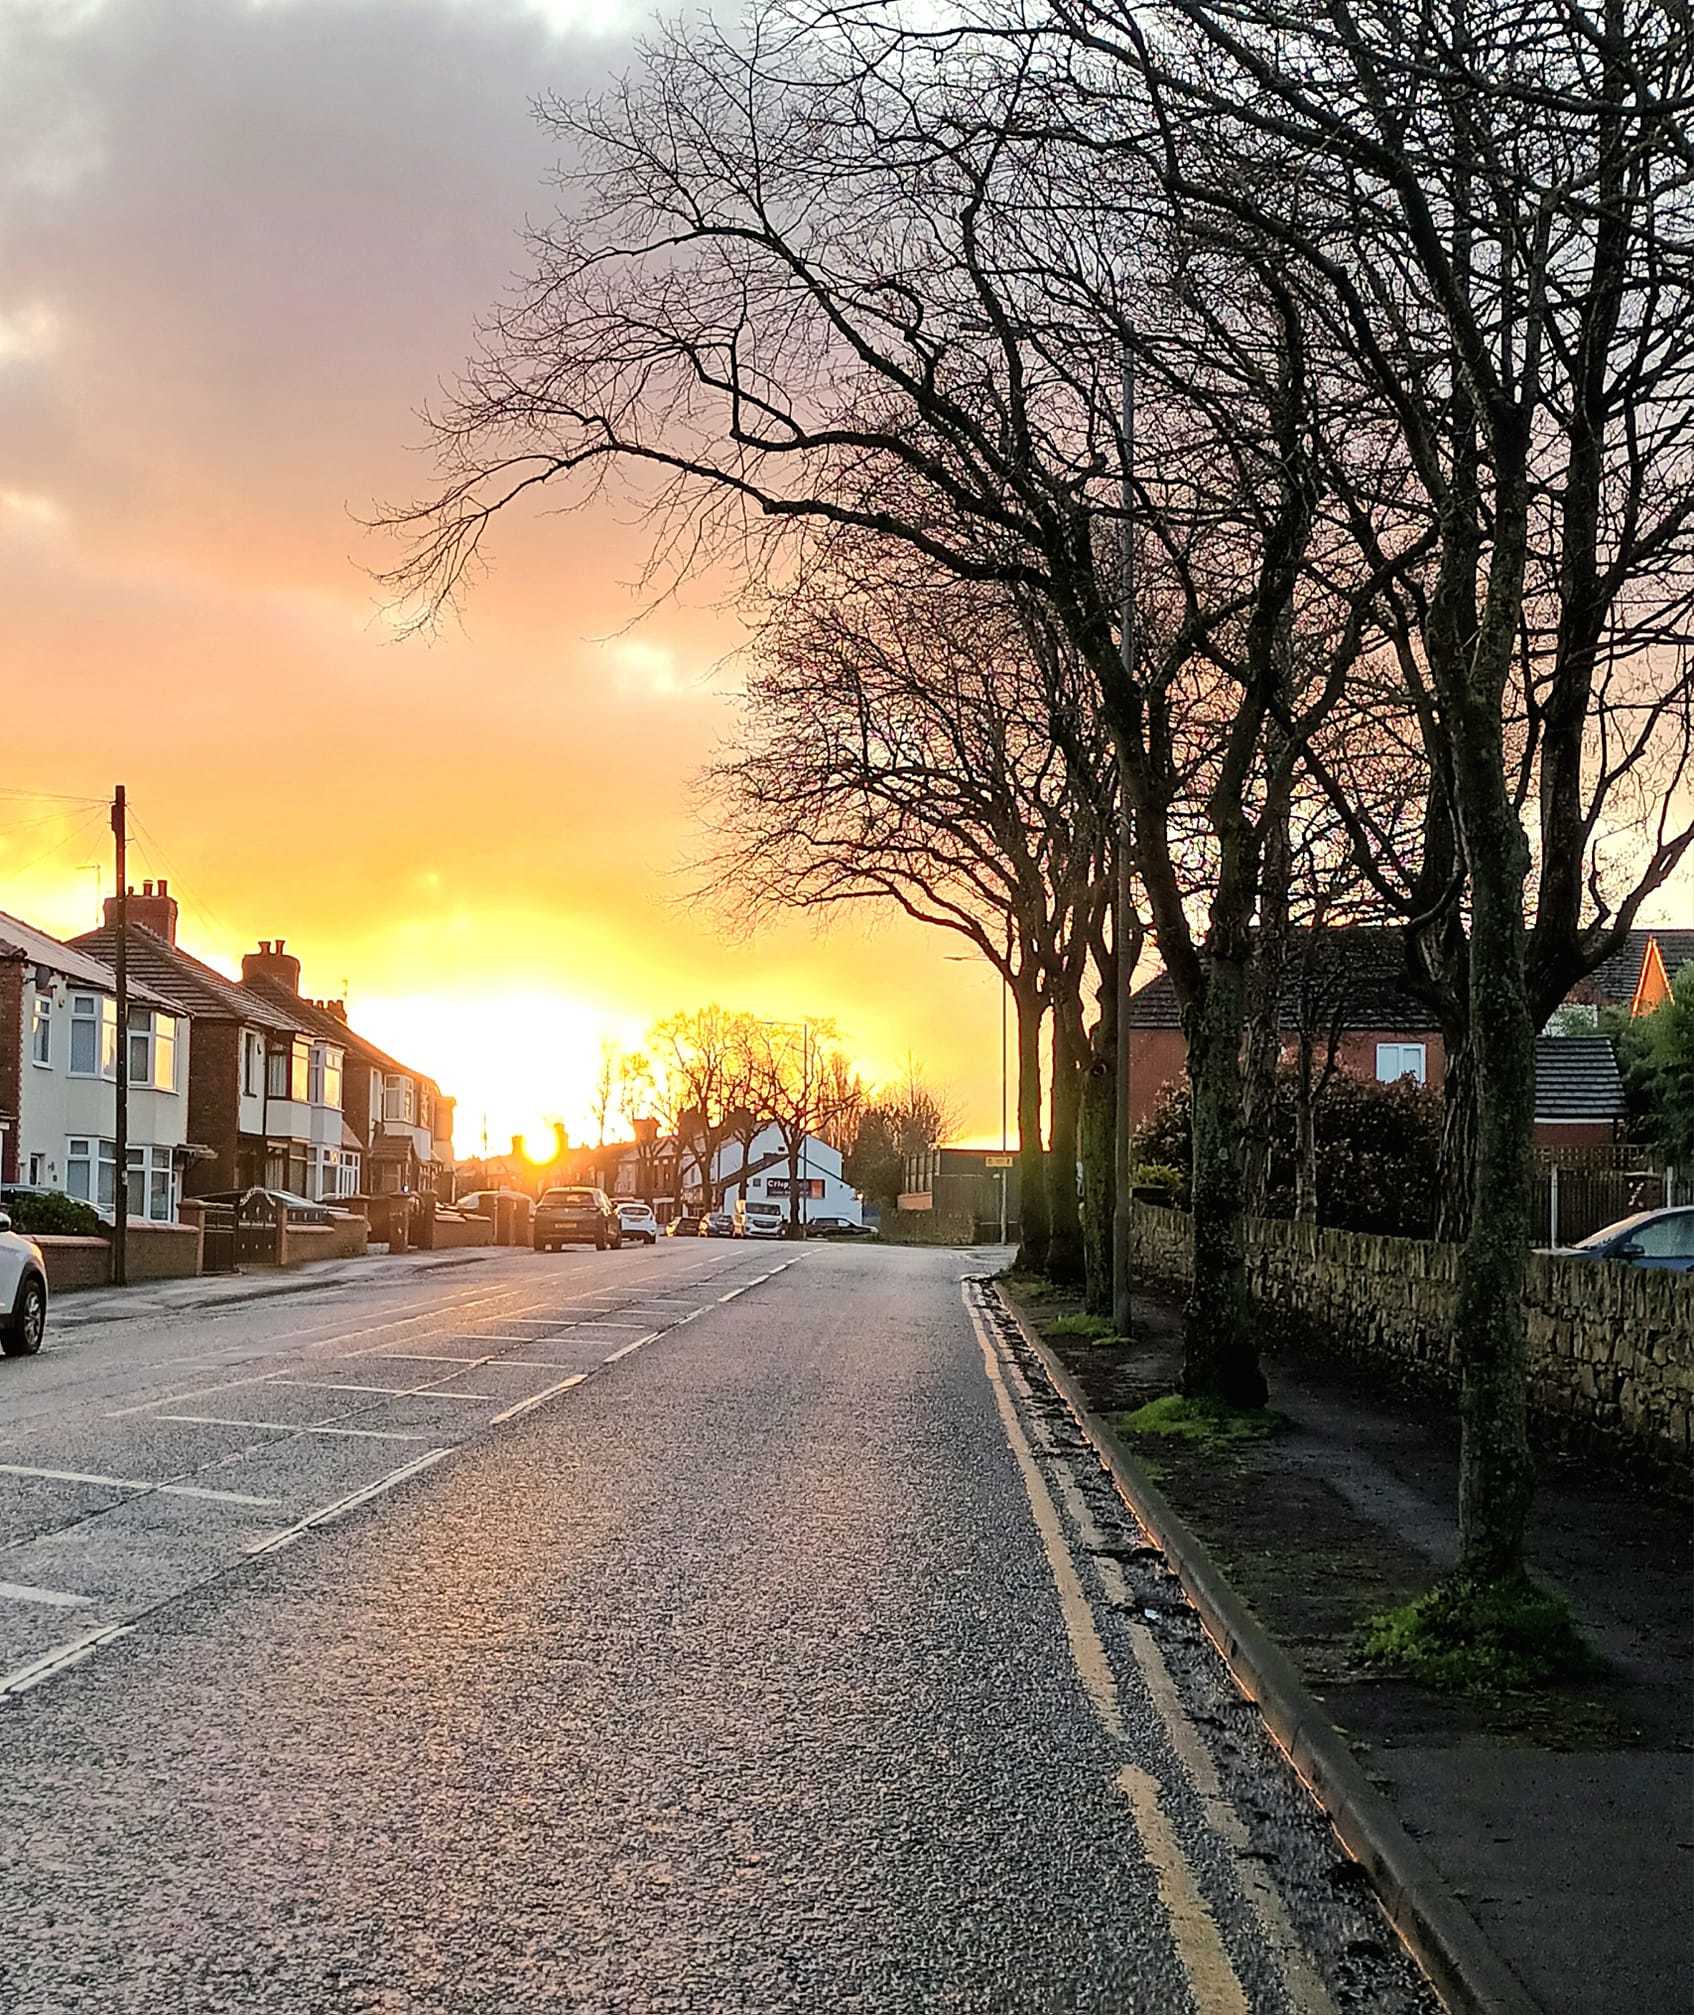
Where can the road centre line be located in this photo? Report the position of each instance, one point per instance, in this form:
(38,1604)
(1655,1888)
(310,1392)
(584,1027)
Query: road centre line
(23,1677)
(628,1348)
(276,1427)
(50,1598)
(538,1398)
(351,1502)
(136,1484)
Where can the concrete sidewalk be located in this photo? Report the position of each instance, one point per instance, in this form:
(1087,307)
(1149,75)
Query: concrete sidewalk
(154,1299)
(1565,1822)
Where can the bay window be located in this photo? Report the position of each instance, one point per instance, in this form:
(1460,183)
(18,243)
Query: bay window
(150,1191)
(91,1171)
(325,1076)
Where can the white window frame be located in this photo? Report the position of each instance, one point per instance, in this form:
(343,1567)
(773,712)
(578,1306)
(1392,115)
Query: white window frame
(99,1012)
(252,1064)
(93,1163)
(41,1030)
(1395,1060)
(399,1100)
(156,1034)
(325,1076)
(156,1168)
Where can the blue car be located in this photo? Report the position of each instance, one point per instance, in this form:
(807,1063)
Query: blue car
(1656,1238)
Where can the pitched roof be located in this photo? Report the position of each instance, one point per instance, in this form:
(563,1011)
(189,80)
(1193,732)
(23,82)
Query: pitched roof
(1616,979)
(23,941)
(201,989)
(1576,1077)
(1352,977)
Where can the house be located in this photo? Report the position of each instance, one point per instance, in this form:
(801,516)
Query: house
(765,1175)
(1348,986)
(264,1094)
(58,1076)
(397,1127)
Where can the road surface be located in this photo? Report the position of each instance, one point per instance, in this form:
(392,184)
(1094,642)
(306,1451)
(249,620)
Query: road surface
(722,1626)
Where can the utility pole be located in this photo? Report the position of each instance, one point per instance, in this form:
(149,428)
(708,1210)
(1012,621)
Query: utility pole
(1005,996)
(1124,1159)
(120,1130)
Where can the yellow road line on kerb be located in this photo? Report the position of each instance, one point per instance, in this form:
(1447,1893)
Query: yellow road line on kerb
(1194,1929)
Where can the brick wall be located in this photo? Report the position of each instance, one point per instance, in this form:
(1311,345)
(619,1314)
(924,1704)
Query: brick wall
(1611,1348)
(928,1227)
(12,1039)
(214,1106)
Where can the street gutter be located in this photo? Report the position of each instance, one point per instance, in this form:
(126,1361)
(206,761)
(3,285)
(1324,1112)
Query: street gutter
(1441,1936)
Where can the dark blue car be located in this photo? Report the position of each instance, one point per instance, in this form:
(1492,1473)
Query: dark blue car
(1657,1238)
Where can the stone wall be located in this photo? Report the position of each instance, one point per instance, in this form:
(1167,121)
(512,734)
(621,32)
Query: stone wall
(928,1227)
(1611,1348)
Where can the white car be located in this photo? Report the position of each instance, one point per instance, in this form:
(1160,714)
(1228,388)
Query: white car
(760,1220)
(23,1292)
(638,1221)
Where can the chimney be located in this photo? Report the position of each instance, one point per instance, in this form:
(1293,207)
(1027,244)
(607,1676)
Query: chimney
(271,962)
(153,907)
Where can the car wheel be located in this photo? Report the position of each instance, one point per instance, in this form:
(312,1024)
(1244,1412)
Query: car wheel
(599,1241)
(28,1325)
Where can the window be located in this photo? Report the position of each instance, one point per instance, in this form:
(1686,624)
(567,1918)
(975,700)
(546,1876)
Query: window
(374,1113)
(94,1036)
(91,1172)
(1395,1060)
(152,1184)
(37,1170)
(152,1050)
(252,1063)
(276,1078)
(300,1070)
(335,1175)
(41,1028)
(1668,1237)
(325,1075)
(398,1103)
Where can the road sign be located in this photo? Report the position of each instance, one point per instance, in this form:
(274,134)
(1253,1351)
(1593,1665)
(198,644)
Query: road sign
(997,1160)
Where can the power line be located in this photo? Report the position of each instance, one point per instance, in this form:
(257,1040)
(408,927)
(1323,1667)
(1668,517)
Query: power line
(75,837)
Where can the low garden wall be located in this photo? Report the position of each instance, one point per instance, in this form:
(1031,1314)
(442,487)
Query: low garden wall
(154,1252)
(344,1237)
(74,1262)
(928,1227)
(1611,1348)
(451,1229)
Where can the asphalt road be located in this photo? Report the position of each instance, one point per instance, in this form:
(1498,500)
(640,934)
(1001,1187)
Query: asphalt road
(638,1631)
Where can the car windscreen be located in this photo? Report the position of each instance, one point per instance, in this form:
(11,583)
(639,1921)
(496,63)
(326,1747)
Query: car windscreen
(1608,1232)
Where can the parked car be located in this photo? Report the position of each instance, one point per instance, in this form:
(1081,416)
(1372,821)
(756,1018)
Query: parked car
(638,1222)
(687,1224)
(23,1292)
(576,1217)
(760,1220)
(1662,1239)
(836,1227)
(719,1224)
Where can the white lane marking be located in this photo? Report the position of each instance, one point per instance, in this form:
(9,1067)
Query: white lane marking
(51,1598)
(734,1291)
(539,1398)
(392,1391)
(423,1357)
(651,1337)
(276,1427)
(342,1505)
(1194,1930)
(25,1676)
(136,1484)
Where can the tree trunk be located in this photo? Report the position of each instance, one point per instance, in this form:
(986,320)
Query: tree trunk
(1032,1173)
(1264,1011)
(1456,1170)
(1065,1262)
(794,1228)
(1099,1170)
(1306,1136)
(1496,1475)
(1220,1357)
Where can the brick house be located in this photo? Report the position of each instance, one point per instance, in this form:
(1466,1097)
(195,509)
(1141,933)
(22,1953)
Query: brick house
(264,1093)
(398,1123)
(58,1077)
(1348,985)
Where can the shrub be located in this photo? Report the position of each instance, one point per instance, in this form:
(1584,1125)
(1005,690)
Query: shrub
(49,1213)
(1081,1325)
(1159,1182)
(1378,1150)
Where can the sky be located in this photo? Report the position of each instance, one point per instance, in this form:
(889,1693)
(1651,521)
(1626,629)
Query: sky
(241,243)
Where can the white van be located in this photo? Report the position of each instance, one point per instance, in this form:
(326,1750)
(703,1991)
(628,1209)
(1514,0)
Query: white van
(760,1220)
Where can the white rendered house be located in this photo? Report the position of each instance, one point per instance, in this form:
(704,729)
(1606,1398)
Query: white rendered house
(58,1077)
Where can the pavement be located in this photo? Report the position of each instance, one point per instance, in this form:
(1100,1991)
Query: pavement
(711,1627)
(1566,1827)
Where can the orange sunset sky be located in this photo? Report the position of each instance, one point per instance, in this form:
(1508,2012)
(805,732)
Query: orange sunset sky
(241,241)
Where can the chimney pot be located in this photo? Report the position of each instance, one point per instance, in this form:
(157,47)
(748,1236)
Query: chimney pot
(146,888)
(164,887)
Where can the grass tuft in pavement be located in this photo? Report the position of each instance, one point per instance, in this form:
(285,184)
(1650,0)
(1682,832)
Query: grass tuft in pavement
(1489,1637)
(1092,1326)
(1204,1422)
